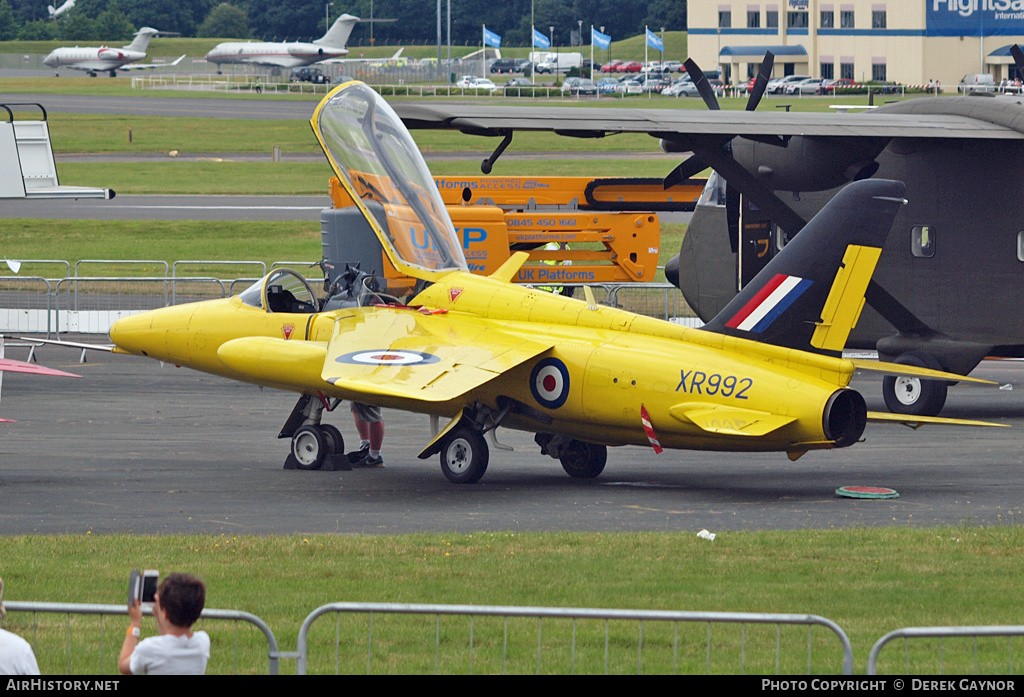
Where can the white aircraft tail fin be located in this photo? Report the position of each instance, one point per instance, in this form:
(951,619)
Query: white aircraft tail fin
(398,53)
(142,39)
(337,35)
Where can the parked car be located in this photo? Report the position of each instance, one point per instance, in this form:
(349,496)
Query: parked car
(673,89)
(472,82)
(307,74)
(779,84)
(808,86)
(671,67)
(657,84)
(629,67)
(611,66)
(584,86)
(518,82)
(831,86)
(568,84)
(503,65)
(977,82)
(629,87)
(587,65)
(689,89)
(607,85)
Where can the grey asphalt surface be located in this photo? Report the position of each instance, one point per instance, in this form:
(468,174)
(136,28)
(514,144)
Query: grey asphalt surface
(138,448)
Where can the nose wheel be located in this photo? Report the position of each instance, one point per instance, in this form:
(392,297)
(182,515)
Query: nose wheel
(314,445)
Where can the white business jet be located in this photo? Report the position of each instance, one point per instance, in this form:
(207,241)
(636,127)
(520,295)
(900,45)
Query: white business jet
(103,59)
(56,12)
(286,54)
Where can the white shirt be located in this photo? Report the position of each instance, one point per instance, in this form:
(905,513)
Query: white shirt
(171,655)
(16,657)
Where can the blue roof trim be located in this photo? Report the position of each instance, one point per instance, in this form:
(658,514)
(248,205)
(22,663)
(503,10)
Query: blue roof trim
(797,50)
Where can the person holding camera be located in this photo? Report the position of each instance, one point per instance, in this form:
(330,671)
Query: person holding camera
(177,650)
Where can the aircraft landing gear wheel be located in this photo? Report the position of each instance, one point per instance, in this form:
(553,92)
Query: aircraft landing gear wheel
(335,441)
(309,448)
(582,460)
(915,396)
(464,456)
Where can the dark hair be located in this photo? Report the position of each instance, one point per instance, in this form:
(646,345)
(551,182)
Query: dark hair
(182,596)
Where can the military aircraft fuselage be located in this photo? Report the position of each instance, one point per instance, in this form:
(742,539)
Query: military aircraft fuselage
(603,366)
(962,290)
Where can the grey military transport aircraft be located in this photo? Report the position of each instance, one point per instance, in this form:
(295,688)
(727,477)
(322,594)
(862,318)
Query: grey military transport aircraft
(949,287)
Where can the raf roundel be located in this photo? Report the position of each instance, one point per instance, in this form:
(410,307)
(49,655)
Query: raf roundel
(388,357)
(549,383)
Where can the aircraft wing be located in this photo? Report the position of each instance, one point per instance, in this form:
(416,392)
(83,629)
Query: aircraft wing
(151,66)
(10,365)
(591,122)
(432,358)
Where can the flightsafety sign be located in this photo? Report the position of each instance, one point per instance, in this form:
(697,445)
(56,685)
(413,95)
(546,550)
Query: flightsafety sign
(975,17)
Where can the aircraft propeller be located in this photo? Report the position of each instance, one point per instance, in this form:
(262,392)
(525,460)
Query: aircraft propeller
(695,164)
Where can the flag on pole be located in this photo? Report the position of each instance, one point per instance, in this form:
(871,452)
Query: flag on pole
(539,40)
(602,41)
(491,39)
(654,41)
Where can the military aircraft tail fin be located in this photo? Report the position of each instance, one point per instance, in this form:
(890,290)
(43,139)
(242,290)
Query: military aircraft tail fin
(810,295)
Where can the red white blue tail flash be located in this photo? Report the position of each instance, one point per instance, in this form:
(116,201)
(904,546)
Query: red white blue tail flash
(769,303)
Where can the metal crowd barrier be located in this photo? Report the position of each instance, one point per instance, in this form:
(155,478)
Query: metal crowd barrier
(942,633)
(387,649)
(110,651)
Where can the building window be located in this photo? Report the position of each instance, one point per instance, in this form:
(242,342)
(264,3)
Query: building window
(878,19)
(846,19)
(771,19)
(878,72)
(846,71)
(796,20)
(724,19)
(828,71)
(753,19)
(922,241)
(828,19)
(1020,246)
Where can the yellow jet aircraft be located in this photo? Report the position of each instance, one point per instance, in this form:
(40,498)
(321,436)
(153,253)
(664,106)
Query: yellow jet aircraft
(766,375)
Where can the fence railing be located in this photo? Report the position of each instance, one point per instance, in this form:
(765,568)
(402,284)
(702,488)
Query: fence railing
(82,303)
(601,634)
(96,642)
(994,657)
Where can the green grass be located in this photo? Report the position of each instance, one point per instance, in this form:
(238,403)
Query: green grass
(164,240)
(868,581)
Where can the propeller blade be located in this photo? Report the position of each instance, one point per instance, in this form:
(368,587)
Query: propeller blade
(683,171)
(764,74)
(700,81)
(1018,57)
(732,215)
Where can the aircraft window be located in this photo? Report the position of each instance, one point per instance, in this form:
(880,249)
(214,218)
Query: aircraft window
(922,241)
(714,191)
(253,295)
(1020,246)
(281,291)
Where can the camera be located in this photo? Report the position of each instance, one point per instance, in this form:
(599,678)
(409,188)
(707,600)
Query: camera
(142,587)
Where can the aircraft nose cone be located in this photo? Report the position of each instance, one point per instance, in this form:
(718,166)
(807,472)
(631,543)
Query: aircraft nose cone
(150,333)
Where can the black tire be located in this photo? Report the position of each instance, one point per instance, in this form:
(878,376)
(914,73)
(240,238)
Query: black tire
(464,456)
(582,460)
(335,441)
(912,395)
(309,448)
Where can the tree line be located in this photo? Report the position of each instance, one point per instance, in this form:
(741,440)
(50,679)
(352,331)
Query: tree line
(396,21)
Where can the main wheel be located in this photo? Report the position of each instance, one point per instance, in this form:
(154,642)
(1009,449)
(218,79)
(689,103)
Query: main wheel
(905,394)
(464,456)
(335,441)
(309,448)
(583,460)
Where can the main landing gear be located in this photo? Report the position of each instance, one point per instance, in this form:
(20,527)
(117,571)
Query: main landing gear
(464,452)
(314,445)
(905,394)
